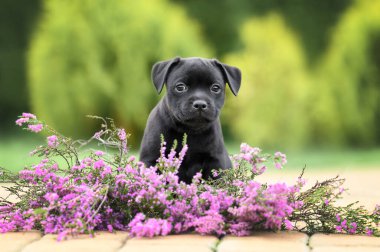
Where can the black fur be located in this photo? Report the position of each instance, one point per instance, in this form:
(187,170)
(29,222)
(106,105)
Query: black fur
(192,106)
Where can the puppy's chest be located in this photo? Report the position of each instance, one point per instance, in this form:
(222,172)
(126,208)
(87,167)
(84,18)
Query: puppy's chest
(197,144)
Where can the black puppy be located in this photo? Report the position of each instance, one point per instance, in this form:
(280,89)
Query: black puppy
(195,96)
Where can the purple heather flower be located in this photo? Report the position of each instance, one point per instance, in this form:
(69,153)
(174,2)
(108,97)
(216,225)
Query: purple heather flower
(52,141)
(131,159)
(368,231)
(106,171)
(298,204)
(21,121)
(197,178)
(301,182)
(51,197)
(215,173)
(258,171)
(99,153)
(98,134)
(211,223)
(244,148)
(28,115)
(99,164)
(35,127)
(62,235)
(353,227)
(344,224)
(89,196)
(122,135)
(166,227)
(288,224)
(339,228)
(279,160)
(109,228)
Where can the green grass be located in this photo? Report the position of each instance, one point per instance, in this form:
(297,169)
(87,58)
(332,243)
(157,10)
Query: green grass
(327,158)
(15,149)
(14,155)
(331,159)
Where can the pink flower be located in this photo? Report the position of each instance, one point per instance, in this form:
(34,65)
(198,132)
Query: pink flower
(247,156)
(35,127)
(298,204)
(344,224)
(368,231)
(99,153)
(166,227)
(62,235)
(279,160)
(52,141)
(258,171)
(107,170)
(28,115)
(213,222)
(197,178)
(338,228)
(288,225)
(353,228)
(214,173)
(301,182)
(109,227)
(121,134)
(244,148)
(21,121)
(278,165)
(51,197)
(76,201)
(99,164)
(98,134)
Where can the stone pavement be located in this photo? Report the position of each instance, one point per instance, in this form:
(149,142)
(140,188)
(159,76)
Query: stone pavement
(363,184)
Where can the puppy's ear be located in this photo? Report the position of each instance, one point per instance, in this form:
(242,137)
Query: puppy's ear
(160,71)
(232,76)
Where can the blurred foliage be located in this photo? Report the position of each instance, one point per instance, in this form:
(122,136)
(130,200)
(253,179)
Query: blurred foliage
(311,69)
(311,20)
(17,18)
(94,57)
(270,109)
(347,104)
(285,102)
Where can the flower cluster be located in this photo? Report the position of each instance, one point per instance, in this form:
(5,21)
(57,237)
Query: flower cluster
(279,160)
(251,157)
(104,191)
(344,226)
(31,120)
(52,141)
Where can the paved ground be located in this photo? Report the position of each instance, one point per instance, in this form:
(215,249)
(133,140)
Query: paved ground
(363,184)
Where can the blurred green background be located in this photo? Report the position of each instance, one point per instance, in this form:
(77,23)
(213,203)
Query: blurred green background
(311,70)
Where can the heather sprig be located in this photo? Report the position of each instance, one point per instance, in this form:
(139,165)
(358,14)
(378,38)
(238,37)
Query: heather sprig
(110,190)
(319,212)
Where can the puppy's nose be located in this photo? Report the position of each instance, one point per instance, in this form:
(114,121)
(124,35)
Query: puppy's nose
(200,105)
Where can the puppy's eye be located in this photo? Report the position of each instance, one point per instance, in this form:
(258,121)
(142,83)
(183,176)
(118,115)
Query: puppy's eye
(216,88)
(180,88)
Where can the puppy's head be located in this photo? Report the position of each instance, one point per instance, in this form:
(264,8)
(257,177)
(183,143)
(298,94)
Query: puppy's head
(195,87)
